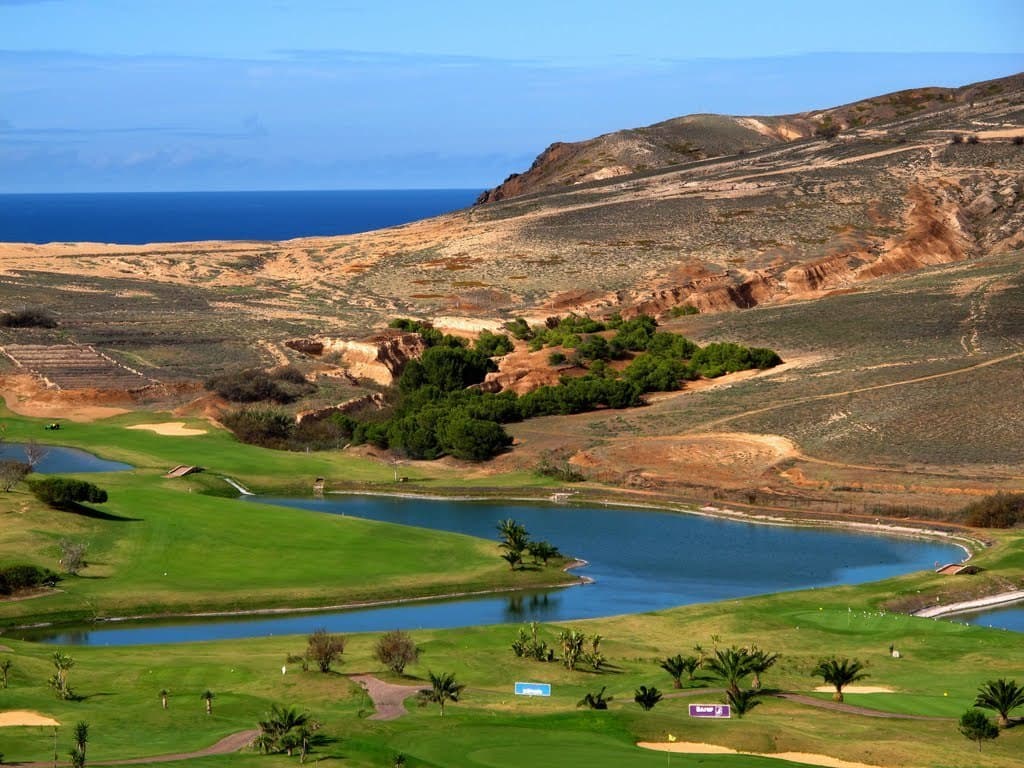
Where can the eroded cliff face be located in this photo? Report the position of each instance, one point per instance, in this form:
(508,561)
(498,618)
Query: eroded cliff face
(379,358)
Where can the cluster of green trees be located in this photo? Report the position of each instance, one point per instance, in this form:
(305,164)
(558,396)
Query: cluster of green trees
(436,410)
(1001,510)
(1000,696)
(19,576)
(286,729)
(577,648)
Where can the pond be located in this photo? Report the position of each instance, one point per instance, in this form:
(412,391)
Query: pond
(640,560)
(1009,617)
(58,460)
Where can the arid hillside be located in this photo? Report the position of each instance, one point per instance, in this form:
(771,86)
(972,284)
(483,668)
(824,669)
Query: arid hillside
(697,137)
(884,263)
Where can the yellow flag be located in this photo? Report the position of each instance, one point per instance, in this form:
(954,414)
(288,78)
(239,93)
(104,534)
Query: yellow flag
(671,737)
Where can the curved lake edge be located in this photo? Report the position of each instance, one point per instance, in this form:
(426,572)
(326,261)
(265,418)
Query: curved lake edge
(576,562)
(884,530)
(965,542)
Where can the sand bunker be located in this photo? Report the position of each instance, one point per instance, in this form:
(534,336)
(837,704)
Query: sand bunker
(700,748)
(24,717)
(856,689)
(171,428)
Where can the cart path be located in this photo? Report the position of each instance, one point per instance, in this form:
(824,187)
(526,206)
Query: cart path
(811,701)
(388,698)
(227,745)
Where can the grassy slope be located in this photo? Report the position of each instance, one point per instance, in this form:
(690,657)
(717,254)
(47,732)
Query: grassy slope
(943,664)
(176,550)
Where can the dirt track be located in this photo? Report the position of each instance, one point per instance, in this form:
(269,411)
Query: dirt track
(227,745)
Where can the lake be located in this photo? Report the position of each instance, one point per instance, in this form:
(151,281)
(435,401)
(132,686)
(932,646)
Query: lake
(640,560)
(59,460)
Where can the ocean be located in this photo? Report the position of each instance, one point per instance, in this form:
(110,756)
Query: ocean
(157,217)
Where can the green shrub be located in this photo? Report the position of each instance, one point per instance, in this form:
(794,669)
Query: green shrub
(18,576)
(65,492)
(493,344)
(250,386)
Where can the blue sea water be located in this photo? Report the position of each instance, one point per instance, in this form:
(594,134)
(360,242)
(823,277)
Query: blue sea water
(166,217)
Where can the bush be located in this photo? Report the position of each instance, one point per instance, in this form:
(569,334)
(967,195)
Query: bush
(28,317)
(556,358)
(493,344)
(684,309)
(64,492)
(1018,141)
(972,139)
(474,439)
(259,426)
(249,386)
(956,138)
(520,329)
(1001,510)
(17,577)
(395,650)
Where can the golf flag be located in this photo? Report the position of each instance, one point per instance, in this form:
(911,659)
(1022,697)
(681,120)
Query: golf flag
(671,737)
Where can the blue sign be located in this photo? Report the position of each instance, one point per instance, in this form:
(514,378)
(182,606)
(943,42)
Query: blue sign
(710,710)
(533,689)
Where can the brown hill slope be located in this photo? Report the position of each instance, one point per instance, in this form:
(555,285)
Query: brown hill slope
(696,137)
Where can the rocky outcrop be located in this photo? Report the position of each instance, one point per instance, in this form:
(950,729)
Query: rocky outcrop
(379,358)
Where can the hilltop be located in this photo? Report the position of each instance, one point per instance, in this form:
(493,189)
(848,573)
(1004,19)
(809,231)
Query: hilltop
(698,137)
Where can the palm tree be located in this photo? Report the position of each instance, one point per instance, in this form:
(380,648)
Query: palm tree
(742,701)
(208,697)
(5,670)
(164,693)
(760,662)
(676,665)
(839,672)
(514,534)
(1002,696)
(732,665)
(285,728)
(595,700)
(59,682)
(81,736)
(443,688)
(512,557)
(647,697)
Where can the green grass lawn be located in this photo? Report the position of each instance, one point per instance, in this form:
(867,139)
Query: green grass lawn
(175,546)
(942,666)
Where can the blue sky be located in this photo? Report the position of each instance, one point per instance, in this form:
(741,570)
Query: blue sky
(100,95)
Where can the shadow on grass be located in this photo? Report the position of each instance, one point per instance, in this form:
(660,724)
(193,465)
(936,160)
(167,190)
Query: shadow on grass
(95,514)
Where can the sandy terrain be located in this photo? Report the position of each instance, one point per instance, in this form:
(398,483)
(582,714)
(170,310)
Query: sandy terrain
(24,717)
(170,428)
(26,397)
(700,748)
(856,689)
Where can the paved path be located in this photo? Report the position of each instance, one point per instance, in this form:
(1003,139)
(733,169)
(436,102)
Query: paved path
(388,698)
(227,745)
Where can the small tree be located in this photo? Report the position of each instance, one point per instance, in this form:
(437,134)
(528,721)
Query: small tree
(731,664)
(12,472)
(512,558)
(975,725)
(5,670)
(77,758)
(164,693)
(595,700)
(529,646)
(742,701)
(34,453)
(59,681)
(324,648)
(395,650)
(760,662)
(443,688)
(81,736)
(208,696)
(572,647)
(677,665)
(1002,696)
(72,555)
(647,697)
(839,673)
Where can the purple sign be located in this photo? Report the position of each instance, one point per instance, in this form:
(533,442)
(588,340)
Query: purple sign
(710,710)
